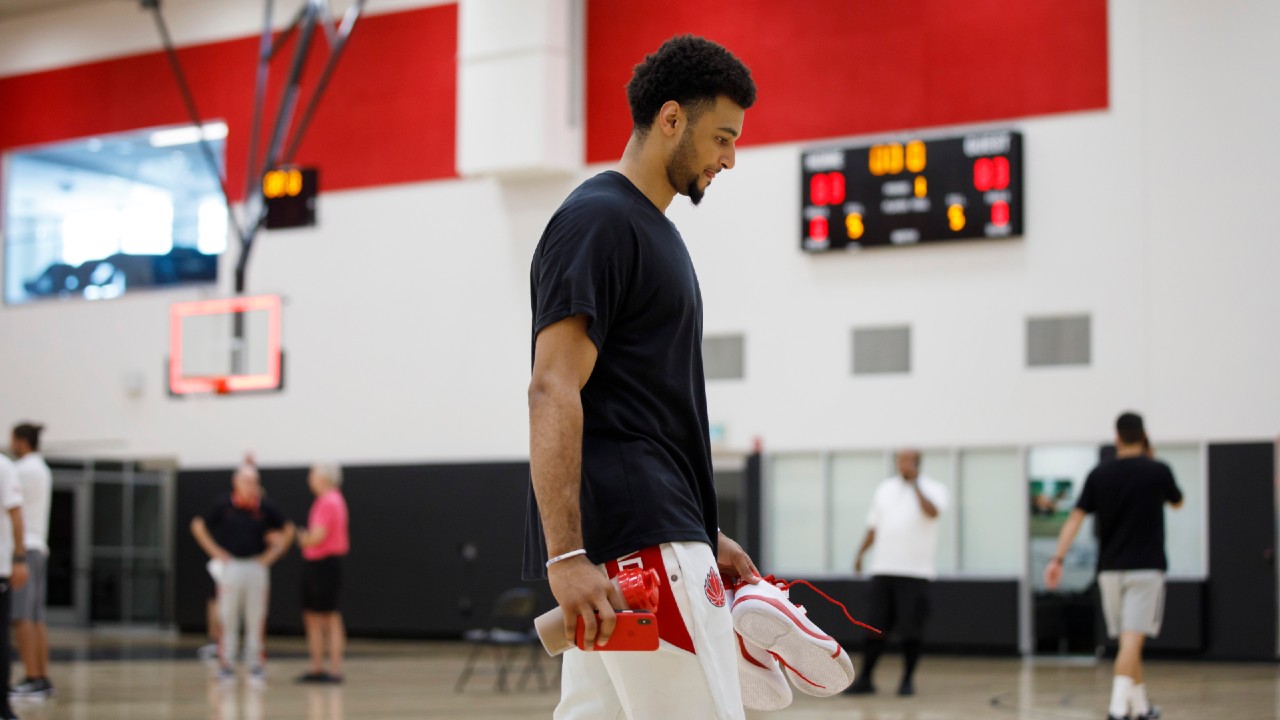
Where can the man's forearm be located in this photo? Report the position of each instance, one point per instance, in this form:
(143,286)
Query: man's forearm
(204,540)
(867,542)
(555,459)
(926,505)
(1068,534)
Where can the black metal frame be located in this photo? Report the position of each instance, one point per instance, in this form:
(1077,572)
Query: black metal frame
(283,144)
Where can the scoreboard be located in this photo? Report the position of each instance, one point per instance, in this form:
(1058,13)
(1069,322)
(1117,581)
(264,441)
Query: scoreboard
(917,191)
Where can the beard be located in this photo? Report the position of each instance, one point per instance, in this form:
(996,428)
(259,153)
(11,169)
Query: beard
(681,172)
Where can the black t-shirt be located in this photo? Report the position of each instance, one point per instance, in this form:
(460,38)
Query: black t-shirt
(608,253)
(1127,496)
(239,531)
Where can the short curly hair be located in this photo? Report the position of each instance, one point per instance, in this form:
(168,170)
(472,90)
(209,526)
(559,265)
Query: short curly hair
(691,70)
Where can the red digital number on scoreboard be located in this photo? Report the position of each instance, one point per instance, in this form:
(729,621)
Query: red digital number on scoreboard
(991,173)
(826,189)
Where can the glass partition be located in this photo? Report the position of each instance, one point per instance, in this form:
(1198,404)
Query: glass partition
(1055,477)
(1006,507)
(990,512)
(854,477)
(938,464)
(796,512)
(1184,529)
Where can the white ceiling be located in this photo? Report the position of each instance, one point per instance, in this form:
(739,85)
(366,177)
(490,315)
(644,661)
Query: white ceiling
(17,8)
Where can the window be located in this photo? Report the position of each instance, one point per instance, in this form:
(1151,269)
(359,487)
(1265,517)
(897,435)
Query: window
(796,534)
(1055,478)
(95,217)
(854,477)
(817,506)
(1184,528)
(989,511)
(1006,508)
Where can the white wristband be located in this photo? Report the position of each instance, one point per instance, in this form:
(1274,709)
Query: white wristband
(566,556)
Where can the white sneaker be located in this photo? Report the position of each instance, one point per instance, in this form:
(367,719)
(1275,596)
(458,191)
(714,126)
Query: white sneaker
(804,684)
(764,687)
(764,615)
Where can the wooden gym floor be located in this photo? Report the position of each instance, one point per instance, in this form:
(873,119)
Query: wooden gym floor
(113,676)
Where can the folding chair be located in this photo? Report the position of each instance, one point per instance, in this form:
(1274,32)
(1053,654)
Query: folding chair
(509,633)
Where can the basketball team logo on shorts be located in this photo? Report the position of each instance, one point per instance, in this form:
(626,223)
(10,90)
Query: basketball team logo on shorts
(714,588)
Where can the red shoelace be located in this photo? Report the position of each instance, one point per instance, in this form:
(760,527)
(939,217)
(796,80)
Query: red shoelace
(786,585)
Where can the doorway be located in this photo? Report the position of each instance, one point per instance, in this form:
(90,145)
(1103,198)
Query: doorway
(110,532)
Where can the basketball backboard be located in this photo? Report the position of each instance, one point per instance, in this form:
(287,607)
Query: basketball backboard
(225,346)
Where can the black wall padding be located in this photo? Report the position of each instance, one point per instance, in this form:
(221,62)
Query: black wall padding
(431,546)
(753,542)
(976,615)
(1183,628)
(1242,545)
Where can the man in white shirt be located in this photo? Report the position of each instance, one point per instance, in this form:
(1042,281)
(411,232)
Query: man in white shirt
(28,607)
(13,563)
(904,521)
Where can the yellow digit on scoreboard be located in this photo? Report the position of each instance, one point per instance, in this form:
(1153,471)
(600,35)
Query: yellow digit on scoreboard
(853,225)
(273,184)
(916,156)
(894,163)
(886,159)
(875,160)
(955,217)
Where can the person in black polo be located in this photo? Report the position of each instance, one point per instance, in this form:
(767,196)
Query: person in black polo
(244,533)
(1127,497)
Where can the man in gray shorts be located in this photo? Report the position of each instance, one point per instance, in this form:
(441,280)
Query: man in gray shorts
(27,612)
(1127,495)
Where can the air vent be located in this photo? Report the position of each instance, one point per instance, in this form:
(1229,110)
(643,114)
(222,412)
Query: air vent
(722,357)
(1055,341)
(881,350)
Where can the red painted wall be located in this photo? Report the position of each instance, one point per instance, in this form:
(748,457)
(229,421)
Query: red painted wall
(387,117)
(825,68)
(831,68)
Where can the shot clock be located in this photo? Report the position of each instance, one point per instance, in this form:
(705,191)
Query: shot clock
(912,191)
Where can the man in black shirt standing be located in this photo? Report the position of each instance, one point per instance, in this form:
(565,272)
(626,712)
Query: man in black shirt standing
(244,534)
(619,449)
(1127,497)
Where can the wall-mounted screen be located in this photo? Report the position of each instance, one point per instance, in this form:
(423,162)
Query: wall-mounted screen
(96,217)
(912,191)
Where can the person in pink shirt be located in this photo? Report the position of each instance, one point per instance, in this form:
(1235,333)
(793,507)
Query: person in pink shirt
(324,542)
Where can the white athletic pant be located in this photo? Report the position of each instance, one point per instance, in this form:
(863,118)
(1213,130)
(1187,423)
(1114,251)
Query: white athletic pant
(243,592)
(670,683)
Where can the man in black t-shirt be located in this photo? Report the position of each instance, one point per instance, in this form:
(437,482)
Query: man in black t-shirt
(244,533)
(619,449)
(1127,498)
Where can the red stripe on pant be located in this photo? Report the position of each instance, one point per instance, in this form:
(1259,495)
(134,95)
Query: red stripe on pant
(671,625)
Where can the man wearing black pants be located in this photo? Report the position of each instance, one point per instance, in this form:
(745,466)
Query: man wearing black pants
(13,565)
(904,520)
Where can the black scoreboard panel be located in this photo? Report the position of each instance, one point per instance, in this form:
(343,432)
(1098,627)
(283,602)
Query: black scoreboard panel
(290,197)
(916,191)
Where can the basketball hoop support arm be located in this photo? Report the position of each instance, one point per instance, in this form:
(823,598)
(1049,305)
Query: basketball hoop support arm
(282,148)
